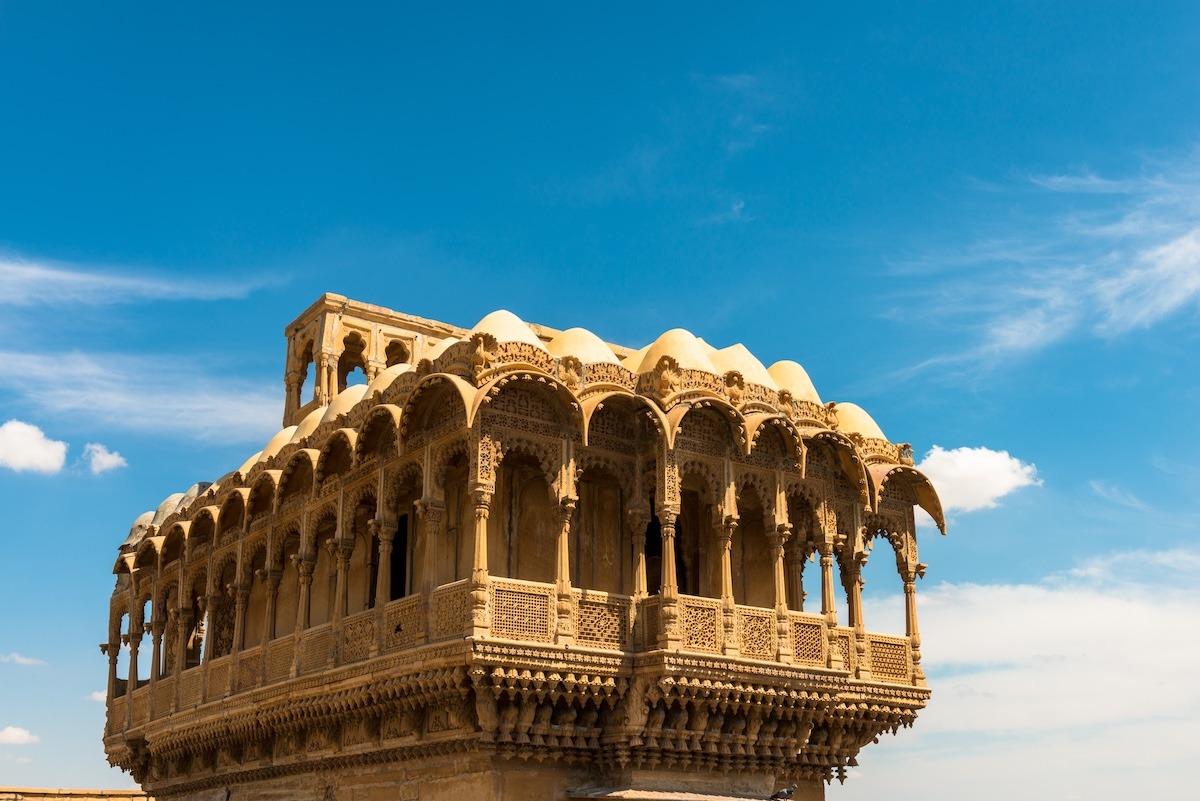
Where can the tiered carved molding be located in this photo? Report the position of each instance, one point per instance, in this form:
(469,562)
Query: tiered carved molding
(526,544)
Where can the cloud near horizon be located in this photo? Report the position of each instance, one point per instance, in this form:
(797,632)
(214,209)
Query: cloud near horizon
(20,659)
(15,735)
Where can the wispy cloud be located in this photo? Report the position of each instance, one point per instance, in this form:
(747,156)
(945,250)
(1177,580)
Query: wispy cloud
(1032,674)
(968,479)
(39,282)
(1111,492)
(20,659)
(735,213)
(142,394)
(25,447)
(1082,255)
(99,696)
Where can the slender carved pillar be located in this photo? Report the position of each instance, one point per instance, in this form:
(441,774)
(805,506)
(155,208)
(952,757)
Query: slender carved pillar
(637,520)
(481,623)
(341,550)
(305,569)
(564,623)
(794,575)
(431,514)
(213,605)
(292,382)
(728,604)
(853,577)
(321,380)
(670,636)
(272,577)
(135,642)
(156,634)
(386,532)
(241,594)
(783,628)
(828,607)
(910,625)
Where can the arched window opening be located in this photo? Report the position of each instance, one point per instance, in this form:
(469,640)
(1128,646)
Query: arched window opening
(123,654)
(196,623)
(298,482)
(395,353)
(289,585)
(599,538)
(336,459)
(882,587)
(400,563)
(379,437)
(654,552)
(256,602)
(698,557)
(200,535)
(322,593)
(146,648)
(352,364)
(528,535)
(753,570)
(308,376)
(363,569)
(231,517)
(801,563)
(454,547)
(260,500)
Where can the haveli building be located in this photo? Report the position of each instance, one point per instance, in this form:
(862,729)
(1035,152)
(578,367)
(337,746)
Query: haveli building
(520,563)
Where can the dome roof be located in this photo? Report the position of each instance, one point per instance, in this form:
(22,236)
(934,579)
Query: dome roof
(689,352)
(275,444)
(385,378)
(507,327)
(139,528)
(851,417)
(633,361)
(167,507)
(441,347)
(737,357)
(791,376)
(344,402)
(307,425)
(253,460)
(583,345)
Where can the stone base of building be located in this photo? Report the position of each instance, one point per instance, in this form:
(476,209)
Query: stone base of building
(480,779)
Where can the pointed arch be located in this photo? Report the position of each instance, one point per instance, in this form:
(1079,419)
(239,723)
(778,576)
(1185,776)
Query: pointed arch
(920,485)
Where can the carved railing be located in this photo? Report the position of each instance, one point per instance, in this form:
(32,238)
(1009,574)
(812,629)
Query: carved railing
(891,658)
(602,619)
(700,624)
(649,622)
(808,639)
(756,632)
(280,653)
(316,648)
(218,677)
(843,640)
(141,706)
(164,696)
(249,670)
(522,610)
(358,632)
(116,713)
(448,611)
(191,682)
(402,623)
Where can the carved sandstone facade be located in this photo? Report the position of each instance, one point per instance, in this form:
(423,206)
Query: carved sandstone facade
(520,563)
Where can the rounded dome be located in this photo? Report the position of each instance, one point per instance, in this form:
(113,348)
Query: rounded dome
(275,444)
(385,378)
(441,347)
(507,327)
(307,425)
(169,505)
(683,347)
(249,463)
(583,345)
(633,361)
(791,376)
(737,357)
(851,417)
(344,402)
(139,528)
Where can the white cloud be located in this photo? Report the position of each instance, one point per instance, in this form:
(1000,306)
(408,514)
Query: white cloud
(101,459)
(99,696)
(14,735)
(21,659)
(1074,678)
(26,282)
(25,447)
(967,479)
(142,394)
(18,760)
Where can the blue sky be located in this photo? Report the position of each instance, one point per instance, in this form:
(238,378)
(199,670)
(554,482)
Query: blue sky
(980,222)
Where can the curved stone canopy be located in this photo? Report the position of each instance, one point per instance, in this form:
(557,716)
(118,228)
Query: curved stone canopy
(688,352)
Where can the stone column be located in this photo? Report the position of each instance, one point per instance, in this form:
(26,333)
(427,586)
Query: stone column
(564,627)
(341,549)
(481,623)
(910,624)
(670,636)
(305,569)
(321,379)
(783,628)
(828,606)
(637,520)
(272,577)
(386,532)
(794,574)
(291,383)
(431,514)
(728,603)
(212,606)
(241,594)
(156,628)
(134,638)
(853,584)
